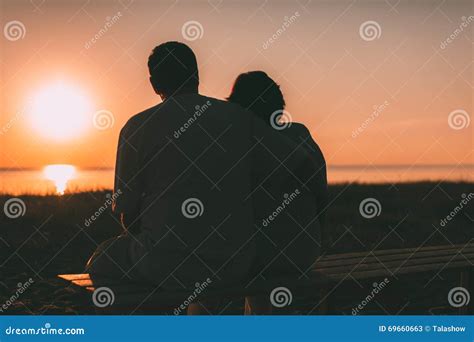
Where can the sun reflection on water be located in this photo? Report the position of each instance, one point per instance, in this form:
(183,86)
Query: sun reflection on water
(59,174)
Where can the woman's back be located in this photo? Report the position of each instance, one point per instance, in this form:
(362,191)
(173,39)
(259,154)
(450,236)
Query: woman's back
(288,199)
(300,135)
(285,210)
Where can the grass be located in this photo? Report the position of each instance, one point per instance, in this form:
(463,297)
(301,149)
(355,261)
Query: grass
(51,237)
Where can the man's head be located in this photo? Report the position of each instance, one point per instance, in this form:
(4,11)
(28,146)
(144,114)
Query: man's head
(173,69)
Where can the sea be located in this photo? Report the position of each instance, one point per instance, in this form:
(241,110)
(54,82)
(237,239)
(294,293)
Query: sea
(65,178)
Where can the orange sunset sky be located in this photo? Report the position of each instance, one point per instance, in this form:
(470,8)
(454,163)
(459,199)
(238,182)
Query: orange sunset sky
(331,72)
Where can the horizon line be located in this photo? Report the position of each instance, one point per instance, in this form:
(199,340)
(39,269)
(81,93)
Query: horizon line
(341,166)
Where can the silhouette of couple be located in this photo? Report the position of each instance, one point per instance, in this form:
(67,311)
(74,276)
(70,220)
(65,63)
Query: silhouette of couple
(211,188)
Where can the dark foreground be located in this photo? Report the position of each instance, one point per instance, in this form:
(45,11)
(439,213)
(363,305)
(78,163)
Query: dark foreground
(52,238)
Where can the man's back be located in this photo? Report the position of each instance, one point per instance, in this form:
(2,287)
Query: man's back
(193,176)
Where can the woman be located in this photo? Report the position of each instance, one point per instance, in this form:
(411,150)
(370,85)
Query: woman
(257,92)
(290,241)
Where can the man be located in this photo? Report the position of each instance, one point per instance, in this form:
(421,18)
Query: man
(184,171)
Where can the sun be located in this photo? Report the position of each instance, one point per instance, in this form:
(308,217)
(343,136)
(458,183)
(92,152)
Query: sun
(60,112)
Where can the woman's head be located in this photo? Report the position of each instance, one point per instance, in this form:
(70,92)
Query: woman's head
(257,92)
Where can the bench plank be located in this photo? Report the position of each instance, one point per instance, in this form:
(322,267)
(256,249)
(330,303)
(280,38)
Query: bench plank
(363,265)
(398,251)
(372,257)
(379,273)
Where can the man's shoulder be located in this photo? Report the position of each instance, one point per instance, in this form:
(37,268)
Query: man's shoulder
(224,104)
(298,128)
(222,110)
(137,120)
(297,131)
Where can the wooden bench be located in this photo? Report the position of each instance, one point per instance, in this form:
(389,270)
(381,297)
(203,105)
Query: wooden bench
(330,271)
